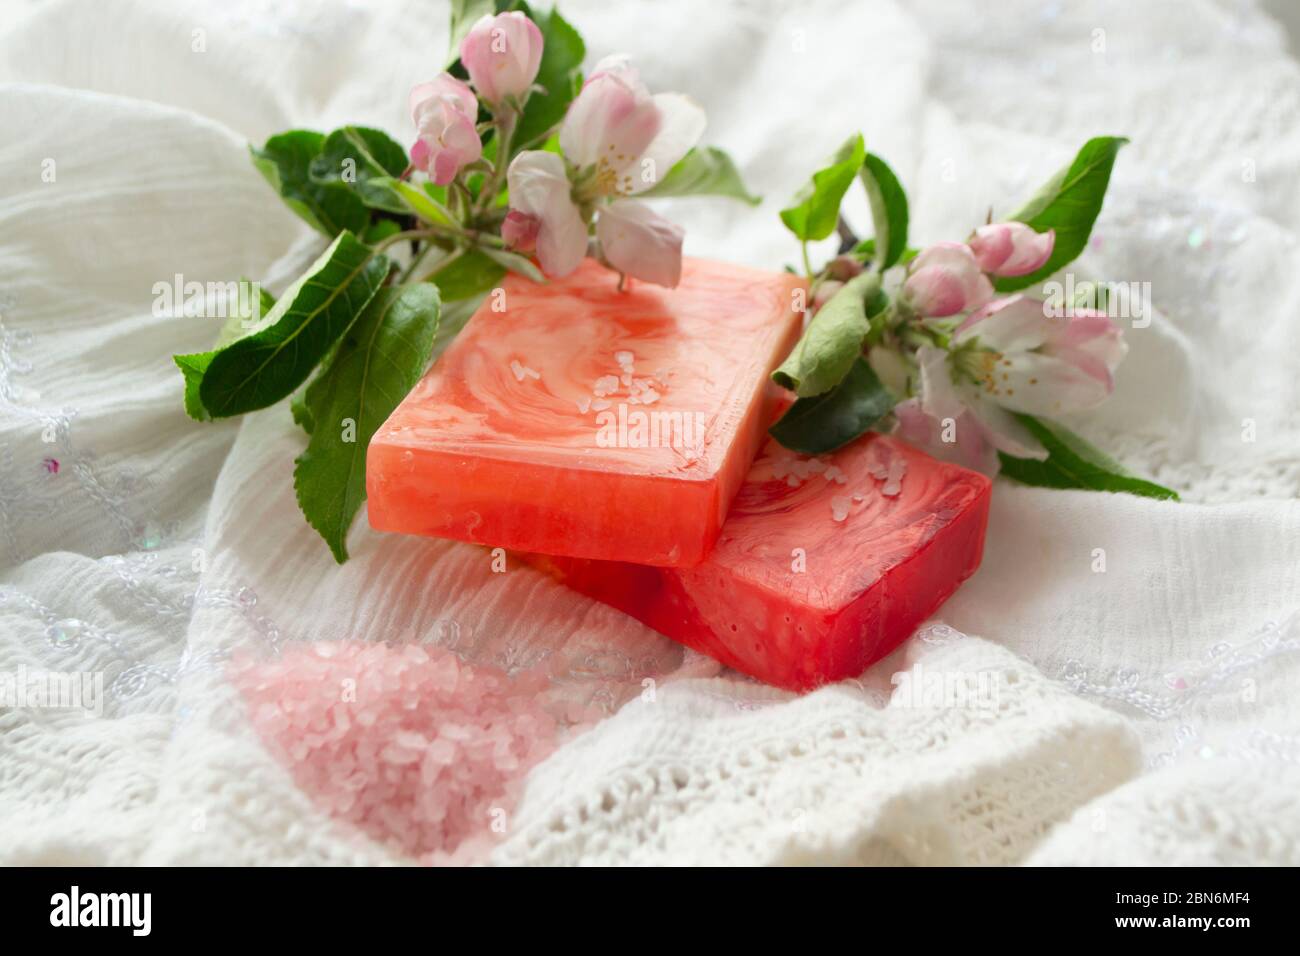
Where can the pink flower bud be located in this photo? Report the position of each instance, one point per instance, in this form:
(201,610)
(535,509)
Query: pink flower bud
(520,231)
(502,54)
(639,242)
(945,279)
(444,111)
(1011,248)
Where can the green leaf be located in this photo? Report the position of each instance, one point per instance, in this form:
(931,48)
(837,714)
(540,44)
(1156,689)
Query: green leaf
(464,14)
(286,161)
(562,54)
(817,206)
(514,262)
(888,210)
(832,341)
(243,319)
(417,200)
(379,230)
(247,315)
(266,300)
(366,159)
(299,410)
(822,423)
(262,368)
(1074,463)
(704,171)
(378,361)
(471,274)
(193,367)
(299,402)
(1069,203)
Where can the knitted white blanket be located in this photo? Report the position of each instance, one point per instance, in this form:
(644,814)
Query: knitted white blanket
(1140,660)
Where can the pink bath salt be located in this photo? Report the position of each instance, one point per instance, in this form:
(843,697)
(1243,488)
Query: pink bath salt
(419,750)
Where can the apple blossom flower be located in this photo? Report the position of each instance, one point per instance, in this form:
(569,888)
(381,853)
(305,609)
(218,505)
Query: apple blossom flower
(641,243)
(502,54)
(444,111)
(955,421)
(1011,248)
(1028,361)
(1008,357)
(618,140)
(945,279)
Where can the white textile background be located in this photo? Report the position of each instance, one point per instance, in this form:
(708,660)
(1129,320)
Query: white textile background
(1157,719)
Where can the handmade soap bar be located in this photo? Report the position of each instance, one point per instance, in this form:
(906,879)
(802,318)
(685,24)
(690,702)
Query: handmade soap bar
(574,419)
(823,567)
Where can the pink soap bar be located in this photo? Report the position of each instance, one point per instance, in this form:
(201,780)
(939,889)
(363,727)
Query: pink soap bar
(574,419)
(823,567)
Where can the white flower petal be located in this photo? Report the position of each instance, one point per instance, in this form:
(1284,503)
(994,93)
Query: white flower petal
(939,396)
(620,65)
(681,124)
(1006,433)
(1009,325)
(1095,335)
(1040,384)
(539,186)
(613,118)
(639,242)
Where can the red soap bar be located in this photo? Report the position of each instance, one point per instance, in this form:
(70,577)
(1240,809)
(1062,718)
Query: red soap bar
(574,419)
(823,567)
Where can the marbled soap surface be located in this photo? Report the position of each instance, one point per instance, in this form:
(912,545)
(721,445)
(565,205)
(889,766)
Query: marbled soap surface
(823,566)
(572,418)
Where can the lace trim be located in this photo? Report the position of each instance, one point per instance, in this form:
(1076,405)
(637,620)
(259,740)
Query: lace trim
(832,780)
(1169,695)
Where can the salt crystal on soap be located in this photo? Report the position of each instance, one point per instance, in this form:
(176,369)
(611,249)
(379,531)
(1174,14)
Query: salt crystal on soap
(877,577)
(894,478)
(522,371)
(501,460)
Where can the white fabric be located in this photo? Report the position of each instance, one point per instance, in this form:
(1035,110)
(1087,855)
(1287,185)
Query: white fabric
(749,775)
(161,544)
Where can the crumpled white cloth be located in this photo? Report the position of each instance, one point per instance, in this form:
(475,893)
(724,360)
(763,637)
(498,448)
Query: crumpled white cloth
(139,544)
(971,760)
